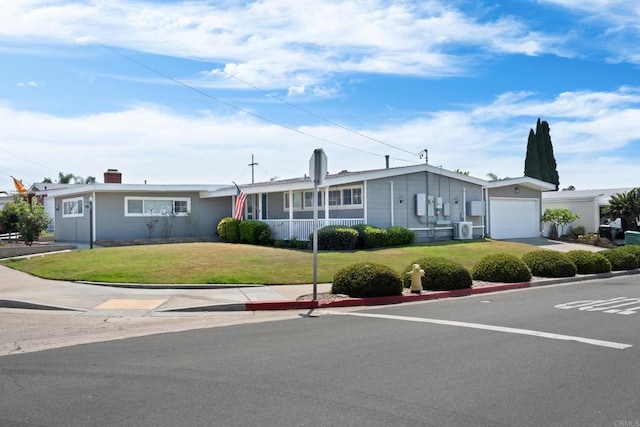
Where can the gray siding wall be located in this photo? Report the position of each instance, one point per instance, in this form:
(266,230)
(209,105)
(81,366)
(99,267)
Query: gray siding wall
(75,229)
(405,188)
(510,191)
(112,224)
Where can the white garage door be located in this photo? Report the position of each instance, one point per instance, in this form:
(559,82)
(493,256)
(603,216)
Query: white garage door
(514,218)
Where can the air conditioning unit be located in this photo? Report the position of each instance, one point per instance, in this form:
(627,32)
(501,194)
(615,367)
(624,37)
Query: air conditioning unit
(463,230)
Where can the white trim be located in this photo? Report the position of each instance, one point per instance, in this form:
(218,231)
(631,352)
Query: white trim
(79,202)
(173,201)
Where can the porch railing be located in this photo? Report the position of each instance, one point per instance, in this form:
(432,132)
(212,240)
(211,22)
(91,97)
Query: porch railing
(300,229)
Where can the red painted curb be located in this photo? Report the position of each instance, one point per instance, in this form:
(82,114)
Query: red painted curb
(395,299)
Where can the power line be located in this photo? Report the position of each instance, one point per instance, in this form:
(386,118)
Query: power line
(290,104)
(258,116)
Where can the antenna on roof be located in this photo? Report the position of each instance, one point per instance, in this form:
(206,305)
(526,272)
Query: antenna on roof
(425,153)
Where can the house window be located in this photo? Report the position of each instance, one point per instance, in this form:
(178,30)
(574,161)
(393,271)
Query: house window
(334,198)
(308,199)
(302,200)
(352,196)
(73,207)
(297,200)
(149,206)
(348,197)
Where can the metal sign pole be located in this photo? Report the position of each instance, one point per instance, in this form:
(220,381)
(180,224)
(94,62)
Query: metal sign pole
(315,240)
(317,172)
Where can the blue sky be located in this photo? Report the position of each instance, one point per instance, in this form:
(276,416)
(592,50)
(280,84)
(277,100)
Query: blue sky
(186,92)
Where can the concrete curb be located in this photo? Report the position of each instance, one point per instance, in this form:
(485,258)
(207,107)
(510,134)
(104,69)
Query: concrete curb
(354,302)
(398,299)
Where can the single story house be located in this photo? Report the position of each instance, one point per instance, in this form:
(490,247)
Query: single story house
(435,203)
(588,204)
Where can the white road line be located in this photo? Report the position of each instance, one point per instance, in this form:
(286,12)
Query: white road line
(610,344)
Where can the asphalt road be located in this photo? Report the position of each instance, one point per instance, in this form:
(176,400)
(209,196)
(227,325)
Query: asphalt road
(561,355)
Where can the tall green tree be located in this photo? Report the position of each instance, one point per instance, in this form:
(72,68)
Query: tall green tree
(540,163)
(532,165)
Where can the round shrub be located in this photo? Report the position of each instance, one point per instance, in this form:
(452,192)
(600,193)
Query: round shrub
(501,267)
(440,274)
(336,237)
(632,249)
(252,231)
(620,260)
(400,236)
(545,263)
(364,280)
(589,262)
(229,230)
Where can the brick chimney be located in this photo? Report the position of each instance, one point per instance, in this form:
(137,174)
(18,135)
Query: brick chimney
(112,176)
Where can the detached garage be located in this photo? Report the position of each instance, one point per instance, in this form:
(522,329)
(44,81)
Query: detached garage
(515,208)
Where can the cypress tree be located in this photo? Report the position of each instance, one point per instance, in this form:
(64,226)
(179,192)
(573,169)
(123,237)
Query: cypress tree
(532,161)
(540,162)
(549,160)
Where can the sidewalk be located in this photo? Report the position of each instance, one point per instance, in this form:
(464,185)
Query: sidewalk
(23,291)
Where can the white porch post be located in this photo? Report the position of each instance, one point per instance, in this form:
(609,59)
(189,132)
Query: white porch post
(290,214)
(364,201)
(391,204)
(326,206)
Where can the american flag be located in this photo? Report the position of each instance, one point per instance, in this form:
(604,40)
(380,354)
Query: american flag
(241,199)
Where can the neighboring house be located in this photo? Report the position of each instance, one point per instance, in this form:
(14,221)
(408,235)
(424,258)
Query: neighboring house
(586,203)
(115,211)
(435,203)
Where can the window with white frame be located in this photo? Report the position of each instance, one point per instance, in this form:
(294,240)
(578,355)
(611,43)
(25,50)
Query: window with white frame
(341,197)
(73,207)
(150,206)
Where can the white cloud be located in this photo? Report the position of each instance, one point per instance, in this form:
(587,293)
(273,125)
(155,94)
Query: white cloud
(281,43)
(147,142)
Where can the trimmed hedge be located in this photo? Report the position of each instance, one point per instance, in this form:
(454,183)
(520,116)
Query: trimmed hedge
(229,230)
(632,249)
(336,237)
(364,280)
(620,260)
(501,267)
(546,263)
(589,262)
(440,274)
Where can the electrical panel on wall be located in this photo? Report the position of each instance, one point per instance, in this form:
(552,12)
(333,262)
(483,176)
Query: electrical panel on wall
(475,208)
(446,209)
(421,203)
(431,209)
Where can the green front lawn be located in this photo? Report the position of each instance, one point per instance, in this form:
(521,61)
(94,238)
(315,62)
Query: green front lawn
(219,263)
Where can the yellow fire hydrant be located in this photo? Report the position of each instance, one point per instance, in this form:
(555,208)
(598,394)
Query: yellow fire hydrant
(416,278)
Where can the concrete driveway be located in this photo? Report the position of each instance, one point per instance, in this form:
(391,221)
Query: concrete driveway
(556,245)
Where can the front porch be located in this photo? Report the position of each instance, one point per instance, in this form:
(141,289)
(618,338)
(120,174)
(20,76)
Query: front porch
(300,229)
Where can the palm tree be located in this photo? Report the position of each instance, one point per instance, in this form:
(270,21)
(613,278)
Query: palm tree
(626,206)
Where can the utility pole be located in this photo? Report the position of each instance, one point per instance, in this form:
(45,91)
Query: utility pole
(253,164)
